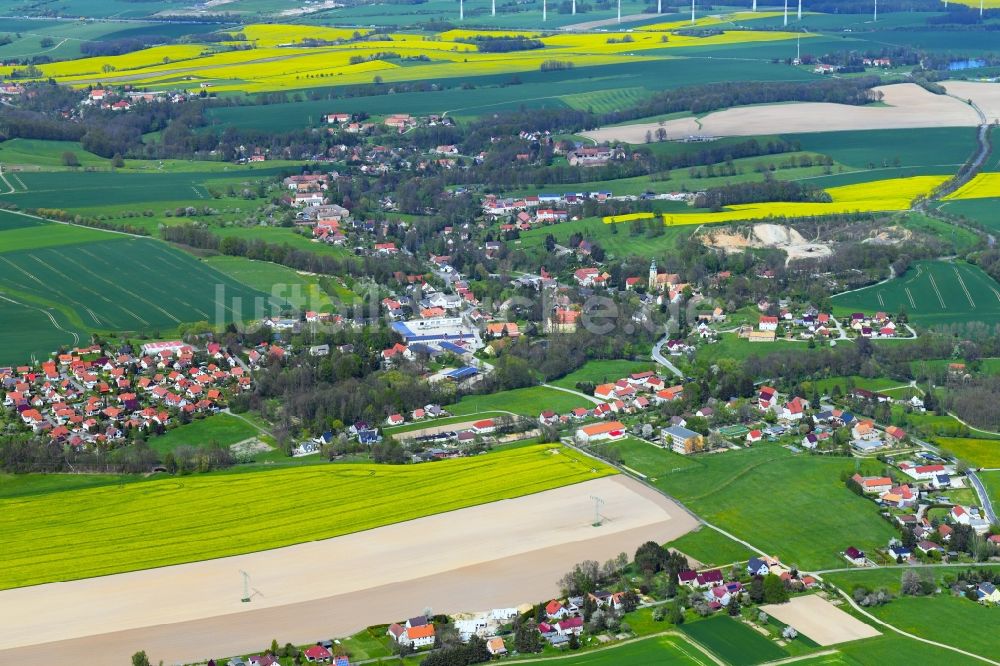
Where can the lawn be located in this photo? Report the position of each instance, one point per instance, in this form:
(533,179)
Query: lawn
(104,530)
(711,548)
(652,461)
(931,292)
(801,520)
(530,401)
(602,371)
(976,452)
(218,429)
(733,641)
(825,386)
(617,240)
(646,652)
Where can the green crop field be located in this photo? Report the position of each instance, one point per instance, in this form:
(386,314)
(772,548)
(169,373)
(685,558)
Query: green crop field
(97,531)
(733,641)
(878,149)
(220,429)
(806,505)
(530,401)
(286,286)
(602,371)
(646,652)
(614,238)
(931,292)
(976,452)
(825,386)
(984,211)
(711,548)
(59,282)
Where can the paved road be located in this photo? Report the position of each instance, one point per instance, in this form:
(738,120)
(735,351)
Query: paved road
(662,360)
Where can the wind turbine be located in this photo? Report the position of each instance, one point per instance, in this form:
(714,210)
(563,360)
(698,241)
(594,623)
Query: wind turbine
(659,6)
(545,11)
(495,7)
(800,10)
(754,8)
(619,11)
(980,8)
(875,15)
(461,10)
(692,12)
(574,7)
(786,12)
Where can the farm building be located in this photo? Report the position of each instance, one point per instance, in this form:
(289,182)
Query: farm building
(600,431)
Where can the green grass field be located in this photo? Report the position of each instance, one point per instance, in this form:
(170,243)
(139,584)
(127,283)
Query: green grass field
(614,238)
(944,619)
(824,386)
(711,548)
(733,641)
(653,461)
(932,292)
(800,521)
(976,452)
(880,149)
(104,530)
(530,401)
(221,429)
(602,371)
(647,652)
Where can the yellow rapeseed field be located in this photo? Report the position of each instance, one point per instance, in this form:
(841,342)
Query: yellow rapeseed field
(881,195)
(98,531)
(277,61)
(982,186)
(628,217)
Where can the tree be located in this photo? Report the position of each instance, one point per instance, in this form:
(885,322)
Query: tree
(574,642)
(118,161)
(911,583)
(733,607)
(774,590)
(70,159)
(650,557)
(140,659)
(757,590)
(675,615)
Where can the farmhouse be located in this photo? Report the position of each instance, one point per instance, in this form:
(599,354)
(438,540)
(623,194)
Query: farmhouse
(601,431)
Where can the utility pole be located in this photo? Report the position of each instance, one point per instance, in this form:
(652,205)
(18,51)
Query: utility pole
(246,587)
(598,502)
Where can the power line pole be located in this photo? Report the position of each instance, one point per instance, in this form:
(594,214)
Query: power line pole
(598,502)
(246,587)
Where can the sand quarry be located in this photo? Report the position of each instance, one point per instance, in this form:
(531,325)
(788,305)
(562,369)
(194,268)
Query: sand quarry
(820,620)
(763,235)
(907,105)
(495,555)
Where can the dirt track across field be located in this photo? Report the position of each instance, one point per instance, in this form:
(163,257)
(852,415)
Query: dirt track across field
(496,555)
(820,620)
(908,106)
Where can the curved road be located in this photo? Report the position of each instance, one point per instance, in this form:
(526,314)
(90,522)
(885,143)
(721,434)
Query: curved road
(662,360)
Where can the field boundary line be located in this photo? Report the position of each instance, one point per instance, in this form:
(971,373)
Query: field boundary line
(671,632)
(55,324)
(800,657)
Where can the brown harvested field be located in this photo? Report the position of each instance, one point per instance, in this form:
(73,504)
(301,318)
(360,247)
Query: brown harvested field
(820,620)
(909,106)
(495,555)
(985,95)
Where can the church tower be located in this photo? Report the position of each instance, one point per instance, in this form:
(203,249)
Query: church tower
(652,276)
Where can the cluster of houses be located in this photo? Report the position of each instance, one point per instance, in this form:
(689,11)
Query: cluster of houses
(879,325)
(718,591)
(94,395)
(321,653)
(114,100)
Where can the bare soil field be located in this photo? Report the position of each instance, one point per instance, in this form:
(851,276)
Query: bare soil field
(985,95)
(907,105)
(820,620)
(495,555)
